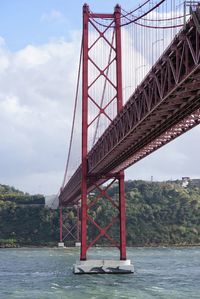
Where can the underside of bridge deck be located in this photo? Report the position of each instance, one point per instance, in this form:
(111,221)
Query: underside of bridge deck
(164,106)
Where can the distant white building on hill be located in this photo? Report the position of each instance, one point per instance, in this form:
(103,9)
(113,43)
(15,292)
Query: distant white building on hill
(185,181)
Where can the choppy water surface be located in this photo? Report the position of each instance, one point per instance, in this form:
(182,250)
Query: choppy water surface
(47,273)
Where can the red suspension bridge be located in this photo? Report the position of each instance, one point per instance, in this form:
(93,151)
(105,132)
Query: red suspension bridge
(160,42)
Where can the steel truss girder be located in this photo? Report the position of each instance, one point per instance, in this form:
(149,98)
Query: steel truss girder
(69,233)
(103,231)
(168,96)
(101,72)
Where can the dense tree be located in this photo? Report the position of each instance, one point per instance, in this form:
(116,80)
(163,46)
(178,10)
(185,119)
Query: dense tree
(158,213)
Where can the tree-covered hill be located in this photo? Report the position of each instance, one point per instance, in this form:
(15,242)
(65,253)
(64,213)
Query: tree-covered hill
(162,213)
(11,194)
(158,213)
(24,219)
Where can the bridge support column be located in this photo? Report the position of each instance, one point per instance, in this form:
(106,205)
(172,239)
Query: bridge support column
(122,207)
(61,243)
(69,229)
(122,266)
(122,215)
(114,224)
(84,134)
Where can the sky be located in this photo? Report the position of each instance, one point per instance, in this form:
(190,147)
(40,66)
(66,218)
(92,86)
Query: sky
(39,50)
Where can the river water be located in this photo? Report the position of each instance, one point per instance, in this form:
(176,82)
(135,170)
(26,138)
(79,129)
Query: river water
(47,273)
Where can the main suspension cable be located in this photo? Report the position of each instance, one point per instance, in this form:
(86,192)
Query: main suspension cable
(144,14)
(159,27)
(153,20)
(129,13)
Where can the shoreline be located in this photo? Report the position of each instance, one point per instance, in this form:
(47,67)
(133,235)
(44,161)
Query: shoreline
(18,246)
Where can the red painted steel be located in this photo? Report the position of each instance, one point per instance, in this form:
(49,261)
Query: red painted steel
(61,225)
(69,232)
(122,214)
(104,231)
(122,209)
(86,97)
(158,111)
(78,224)
(84,134)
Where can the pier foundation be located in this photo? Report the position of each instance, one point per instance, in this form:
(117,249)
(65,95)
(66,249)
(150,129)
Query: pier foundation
(103,267)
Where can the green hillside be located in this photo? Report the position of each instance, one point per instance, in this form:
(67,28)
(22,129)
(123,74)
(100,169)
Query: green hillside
(163,213)
(157,214)
(24,220)
(11,194)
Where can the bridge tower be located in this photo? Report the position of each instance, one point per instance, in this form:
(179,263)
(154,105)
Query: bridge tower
(69,232)
(101,266)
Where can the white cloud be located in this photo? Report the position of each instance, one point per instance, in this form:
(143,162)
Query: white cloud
(52,16)
(4,58)
(36,102)
(31,57)
(37,88)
